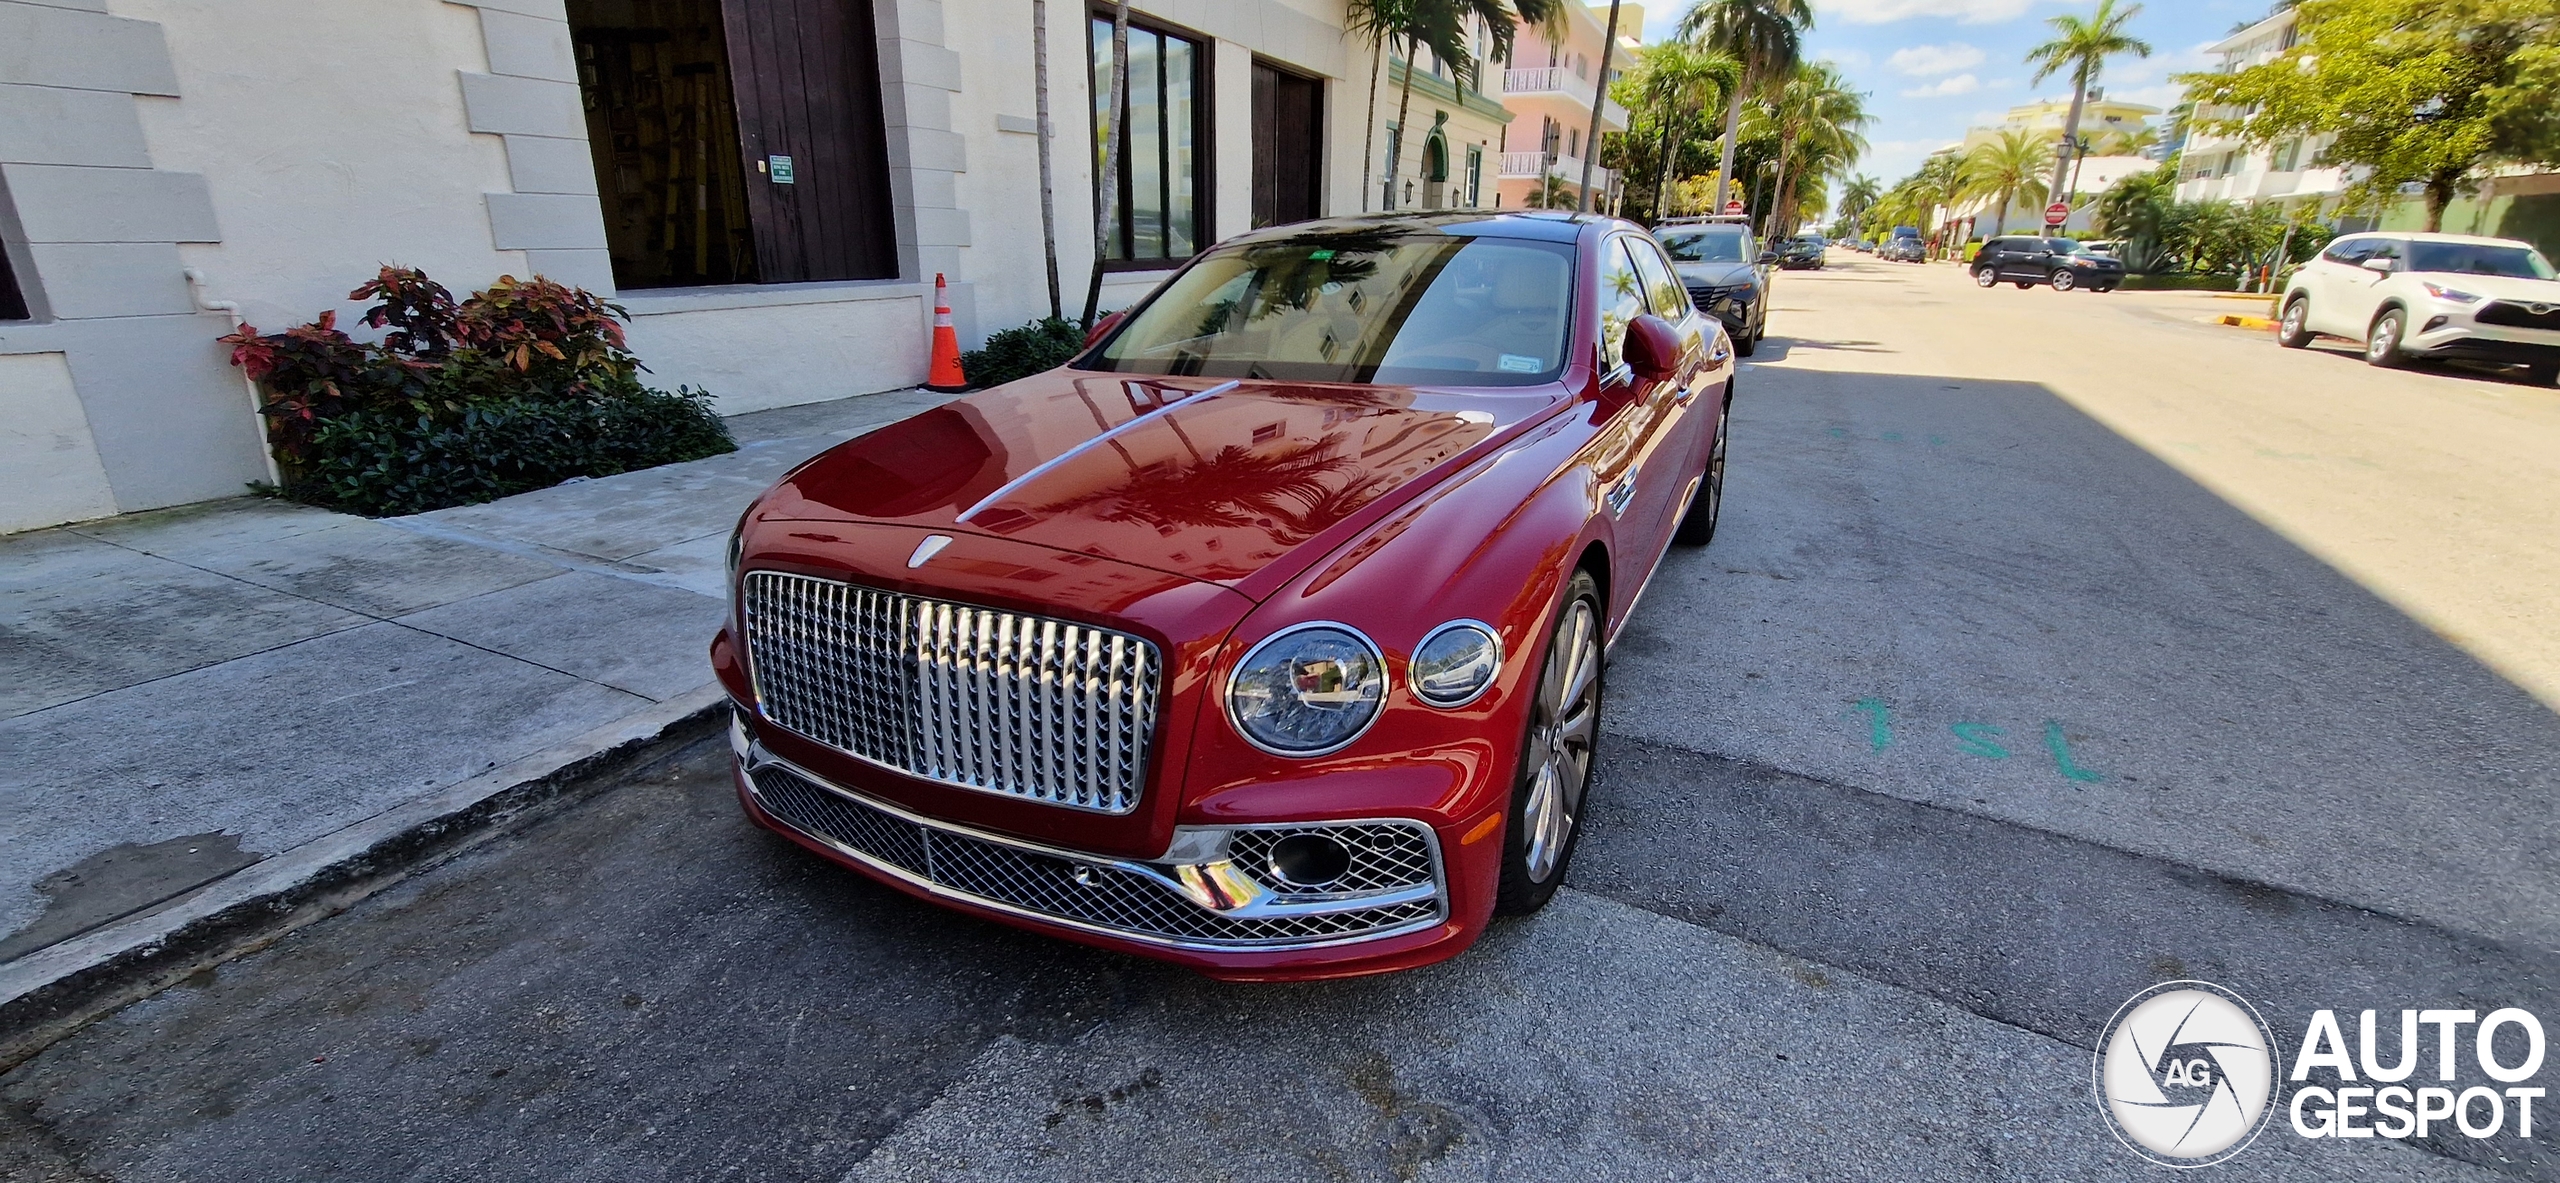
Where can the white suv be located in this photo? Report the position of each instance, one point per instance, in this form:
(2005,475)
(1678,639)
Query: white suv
(2408,296)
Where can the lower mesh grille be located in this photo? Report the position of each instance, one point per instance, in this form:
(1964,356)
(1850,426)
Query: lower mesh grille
(1099,895)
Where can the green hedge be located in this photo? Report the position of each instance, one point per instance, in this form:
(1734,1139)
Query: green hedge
(384,461)
(1043,344)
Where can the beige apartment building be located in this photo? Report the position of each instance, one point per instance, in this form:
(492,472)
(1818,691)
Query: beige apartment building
(1548,88)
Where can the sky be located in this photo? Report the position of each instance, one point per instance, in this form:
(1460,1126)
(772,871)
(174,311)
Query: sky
(1932,68)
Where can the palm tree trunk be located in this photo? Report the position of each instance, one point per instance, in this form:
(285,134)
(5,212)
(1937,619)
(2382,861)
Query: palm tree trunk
(1106,183)
(1404,111)
(1777,192)
(1369,143)
(1662,175)
(1599,100)
(1048,207)
(1732,127)
(2070,129)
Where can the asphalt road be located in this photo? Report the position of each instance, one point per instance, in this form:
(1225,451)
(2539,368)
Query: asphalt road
(2017,680)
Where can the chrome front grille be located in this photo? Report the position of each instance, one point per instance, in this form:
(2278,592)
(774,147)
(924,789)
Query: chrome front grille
(1107,895)
(1003,702)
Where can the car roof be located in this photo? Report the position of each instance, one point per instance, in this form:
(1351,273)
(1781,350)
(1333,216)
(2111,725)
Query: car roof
(2427,236)
(1540,225)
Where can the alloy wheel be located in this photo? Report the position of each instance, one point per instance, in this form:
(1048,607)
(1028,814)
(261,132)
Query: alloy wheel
(2063,280)
(2382,345)
(1566,725)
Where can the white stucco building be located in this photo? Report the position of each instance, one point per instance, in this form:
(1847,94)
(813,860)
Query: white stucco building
(2214,167)
(768,187)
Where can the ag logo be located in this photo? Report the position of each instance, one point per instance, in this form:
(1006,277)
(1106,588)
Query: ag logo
(2184,1073)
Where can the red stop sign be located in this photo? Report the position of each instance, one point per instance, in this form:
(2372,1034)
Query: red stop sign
(2057,213)
(1733,207)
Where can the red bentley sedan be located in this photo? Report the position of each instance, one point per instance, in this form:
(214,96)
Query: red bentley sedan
(1267,635)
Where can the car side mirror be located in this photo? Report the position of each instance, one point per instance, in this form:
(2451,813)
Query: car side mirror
(1652,349)
(1102,328)
(2377,266)
(1768,257)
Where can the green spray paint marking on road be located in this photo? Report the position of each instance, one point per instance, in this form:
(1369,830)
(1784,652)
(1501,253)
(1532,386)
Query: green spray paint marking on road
(1879,729)
(1975,739)
(2061,750)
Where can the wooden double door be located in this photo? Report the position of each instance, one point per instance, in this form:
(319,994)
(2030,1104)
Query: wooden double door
(1288,146)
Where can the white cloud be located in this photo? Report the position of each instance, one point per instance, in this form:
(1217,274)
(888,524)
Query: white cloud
(1929,61)
(1971,12)
(1960,84)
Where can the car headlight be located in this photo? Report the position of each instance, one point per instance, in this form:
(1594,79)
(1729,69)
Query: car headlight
(2445,293)
(738,545)
(1455,662)
(1308,690)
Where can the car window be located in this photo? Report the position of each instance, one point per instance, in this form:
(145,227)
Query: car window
(1707,246)
(1621,301)
(1662,289)
(2350,251)
(2063,246)
(1369,305)
(2479,258)
(2384,248)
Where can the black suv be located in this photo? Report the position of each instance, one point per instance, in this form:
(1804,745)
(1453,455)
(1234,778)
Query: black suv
(1726,272)
(2060,262)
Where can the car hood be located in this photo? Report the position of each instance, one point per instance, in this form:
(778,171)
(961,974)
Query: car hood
(1214,481)
(2495,287)
(1715,275)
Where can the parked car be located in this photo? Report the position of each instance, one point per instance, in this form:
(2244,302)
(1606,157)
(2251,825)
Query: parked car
(1266,635)
(1903,250)
(1804,252)
(2059,263)
(1726,272)
(2409,296)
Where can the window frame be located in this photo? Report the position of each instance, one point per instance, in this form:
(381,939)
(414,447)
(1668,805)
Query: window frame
(1204,148)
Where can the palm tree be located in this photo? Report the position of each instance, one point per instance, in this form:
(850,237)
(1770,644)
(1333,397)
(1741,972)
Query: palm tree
(2082,47)
(1599,105)
(1766,36)
(1440,27)
(1674,79)
(1857,198)
(1048,207)
(2004,168)
(2125,143)
(1375,21)
(1814,110)
(1551,192)
(1937,184)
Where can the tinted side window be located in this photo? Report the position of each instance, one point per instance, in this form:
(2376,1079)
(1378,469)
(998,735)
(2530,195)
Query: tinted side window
(2384,248)
(2350,251)
(1661,289)
(1621,301)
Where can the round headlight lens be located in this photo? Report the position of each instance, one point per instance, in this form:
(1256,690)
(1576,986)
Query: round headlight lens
(1455,663)
(1307,691)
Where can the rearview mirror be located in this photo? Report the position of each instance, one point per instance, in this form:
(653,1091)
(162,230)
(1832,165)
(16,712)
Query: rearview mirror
(1102,328)
(1652,349)
(2377,266)
(1768,257)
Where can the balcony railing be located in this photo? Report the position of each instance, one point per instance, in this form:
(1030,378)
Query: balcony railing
(1560,82)
(1525,164)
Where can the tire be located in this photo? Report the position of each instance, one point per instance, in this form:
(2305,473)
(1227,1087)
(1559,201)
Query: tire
(1985,277)
(2064,280)
(2382,341)
(1746,346)
(1540,829)
(2294,330)
(1698,519)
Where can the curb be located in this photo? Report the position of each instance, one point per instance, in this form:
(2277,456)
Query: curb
(2245,322)
(54,991)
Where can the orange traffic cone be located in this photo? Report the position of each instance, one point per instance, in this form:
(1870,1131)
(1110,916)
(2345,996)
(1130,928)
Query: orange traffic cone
(945,376)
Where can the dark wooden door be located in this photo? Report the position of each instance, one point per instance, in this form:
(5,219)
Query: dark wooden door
(1288,169)
(807,78)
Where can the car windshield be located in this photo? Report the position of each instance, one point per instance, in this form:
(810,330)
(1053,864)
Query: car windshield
(2479,258)
(2065,246)
(1704,246)
(1386,305)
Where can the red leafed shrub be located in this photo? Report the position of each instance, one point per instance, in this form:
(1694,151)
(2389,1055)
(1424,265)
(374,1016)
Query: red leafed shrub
(523,385)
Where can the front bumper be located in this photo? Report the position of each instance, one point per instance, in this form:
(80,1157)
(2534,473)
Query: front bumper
(2456,337)
(1210,903)
(1731,306)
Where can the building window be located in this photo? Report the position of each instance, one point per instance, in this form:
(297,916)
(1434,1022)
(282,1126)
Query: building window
(736,143)
(1475,175)
(13,303)
(1163,178)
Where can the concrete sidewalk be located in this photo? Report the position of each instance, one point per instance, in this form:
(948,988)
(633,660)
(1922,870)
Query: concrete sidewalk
(191,693)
